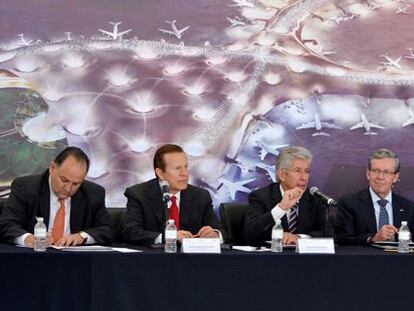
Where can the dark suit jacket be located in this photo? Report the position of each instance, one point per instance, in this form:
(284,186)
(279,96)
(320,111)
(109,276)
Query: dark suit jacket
(30,198)
(146,215)
(356,217)
(259,220)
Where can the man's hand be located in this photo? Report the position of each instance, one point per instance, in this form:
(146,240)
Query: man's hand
(70,240)
(207,232)
(290,239)
(386,233)
(29,241)
(290,197)
(182,234)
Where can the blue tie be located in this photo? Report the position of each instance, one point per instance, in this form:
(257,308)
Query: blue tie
(383,215)
(293,219)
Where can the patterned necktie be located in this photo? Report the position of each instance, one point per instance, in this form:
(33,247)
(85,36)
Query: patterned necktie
(383,215)
(59,222)
(293,219)
(174,213)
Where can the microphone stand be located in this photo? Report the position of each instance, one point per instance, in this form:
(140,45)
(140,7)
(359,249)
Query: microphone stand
(330,211)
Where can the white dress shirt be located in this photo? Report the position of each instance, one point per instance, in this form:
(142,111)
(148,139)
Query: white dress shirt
(377,207)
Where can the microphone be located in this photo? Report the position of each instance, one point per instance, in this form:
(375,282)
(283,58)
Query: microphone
(315,191)
(165,189)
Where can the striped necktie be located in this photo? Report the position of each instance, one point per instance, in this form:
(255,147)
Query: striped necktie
(293,219)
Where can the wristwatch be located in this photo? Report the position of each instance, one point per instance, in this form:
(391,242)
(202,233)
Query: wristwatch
(83,235)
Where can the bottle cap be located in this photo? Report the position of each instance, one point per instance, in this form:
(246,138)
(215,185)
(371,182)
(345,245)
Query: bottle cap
(170,221)
(39,219)
(403,223)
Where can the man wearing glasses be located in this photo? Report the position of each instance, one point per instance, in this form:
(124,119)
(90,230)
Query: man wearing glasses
(375,214)
(288,200)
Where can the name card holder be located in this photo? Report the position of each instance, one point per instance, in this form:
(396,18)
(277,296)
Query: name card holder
(316,246)
(200,246)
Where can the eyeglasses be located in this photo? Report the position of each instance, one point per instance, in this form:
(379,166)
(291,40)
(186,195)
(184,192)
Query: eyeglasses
(299,171)
(377,172)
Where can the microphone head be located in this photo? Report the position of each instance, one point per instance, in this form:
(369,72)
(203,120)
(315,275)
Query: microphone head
(313,190)
(165,186)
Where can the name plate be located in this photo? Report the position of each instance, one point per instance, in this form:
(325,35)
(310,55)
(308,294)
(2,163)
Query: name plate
(209,246)
(316,246)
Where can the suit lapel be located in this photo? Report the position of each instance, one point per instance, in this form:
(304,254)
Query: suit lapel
(159,208)
(398,211)
(77,212)
(44,200)
(367,208)
(185,208)
(303,211)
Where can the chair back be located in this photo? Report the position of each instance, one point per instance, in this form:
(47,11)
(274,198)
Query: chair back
(116,222)
(232,219)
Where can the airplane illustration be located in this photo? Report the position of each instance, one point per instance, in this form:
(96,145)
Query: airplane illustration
(318,124)
(236,21)
(390,62)
(266,149)
(410,119)
(115,33)
(370,4)
(403,10)
(341,19)
(270,170)
(367,125)
(68,36)
(411,56)
(237,163)
(235,186)
(242,3)
(178,33)
(23,40)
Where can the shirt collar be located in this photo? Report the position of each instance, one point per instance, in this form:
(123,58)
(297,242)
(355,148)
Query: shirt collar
(375,197)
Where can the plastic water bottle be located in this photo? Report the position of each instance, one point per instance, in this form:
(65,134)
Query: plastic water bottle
(404,237)
(170,237)
(40,240)
(277,238)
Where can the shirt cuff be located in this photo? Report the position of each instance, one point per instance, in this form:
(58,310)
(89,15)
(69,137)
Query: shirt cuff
(277,212)
(89,240)
(20,240)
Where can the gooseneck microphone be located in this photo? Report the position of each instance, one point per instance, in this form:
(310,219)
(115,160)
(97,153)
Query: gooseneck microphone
(165,189)
(316,192)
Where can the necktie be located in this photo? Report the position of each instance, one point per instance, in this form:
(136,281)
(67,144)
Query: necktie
(174,213)
(293,219)
(59,222)
(383,215)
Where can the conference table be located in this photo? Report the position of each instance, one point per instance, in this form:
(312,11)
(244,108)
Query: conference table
(355,278)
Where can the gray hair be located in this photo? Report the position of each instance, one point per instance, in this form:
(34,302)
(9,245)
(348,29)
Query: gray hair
(288,154)
(385,154)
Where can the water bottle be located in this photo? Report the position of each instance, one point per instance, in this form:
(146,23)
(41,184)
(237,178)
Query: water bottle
(40,240)
(170,237)
(277,238)
(404,237)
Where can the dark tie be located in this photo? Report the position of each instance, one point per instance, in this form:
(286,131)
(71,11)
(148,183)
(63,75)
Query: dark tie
(293,219)
(174,213)
(383,215)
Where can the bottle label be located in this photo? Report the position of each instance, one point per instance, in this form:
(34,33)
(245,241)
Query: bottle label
(277,234)
(403,235)
(170,234)
(40,232)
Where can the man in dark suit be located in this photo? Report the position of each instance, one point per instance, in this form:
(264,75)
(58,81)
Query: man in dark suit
(375,214)
(289,201)
(73,209)
(145,219)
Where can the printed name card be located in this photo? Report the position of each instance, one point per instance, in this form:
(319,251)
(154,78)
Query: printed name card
(316,246)
(211,246)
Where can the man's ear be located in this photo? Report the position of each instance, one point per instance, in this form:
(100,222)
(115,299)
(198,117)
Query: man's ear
(159,173)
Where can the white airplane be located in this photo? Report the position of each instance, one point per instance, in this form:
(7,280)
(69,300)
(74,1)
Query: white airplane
(236,186)
(318,124)
(366,125)
(403,10)
(265,149)
(270,170)
(370,4)
(236,21)
(178,33)
(23,40)
(341,19)
(390,62)
(410,119)
(237,163)
(115,33)
(242,3)
(411,56)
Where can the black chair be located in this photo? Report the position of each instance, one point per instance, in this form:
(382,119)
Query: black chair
(232,219)
(116,222)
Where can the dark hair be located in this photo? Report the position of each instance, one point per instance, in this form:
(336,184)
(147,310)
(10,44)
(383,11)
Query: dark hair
(161,151)
(75,152)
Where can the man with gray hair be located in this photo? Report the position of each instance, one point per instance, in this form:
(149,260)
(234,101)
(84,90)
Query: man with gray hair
(288,200)
(375,214)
